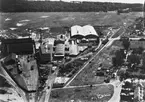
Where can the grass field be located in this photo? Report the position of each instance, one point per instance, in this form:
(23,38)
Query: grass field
(58,19)
(100,93)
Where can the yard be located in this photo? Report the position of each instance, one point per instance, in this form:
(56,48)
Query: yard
(101,93)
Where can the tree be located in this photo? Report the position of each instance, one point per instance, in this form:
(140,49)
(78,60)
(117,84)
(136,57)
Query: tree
(125,43)
(143,58)
(138,50)
(118,60)
(114,61)
(134,59)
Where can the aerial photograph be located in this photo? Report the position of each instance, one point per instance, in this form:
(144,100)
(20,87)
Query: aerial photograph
(72,50)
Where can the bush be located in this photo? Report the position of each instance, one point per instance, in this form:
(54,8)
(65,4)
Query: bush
(55,94)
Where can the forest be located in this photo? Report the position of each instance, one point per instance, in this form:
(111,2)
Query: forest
(60,6)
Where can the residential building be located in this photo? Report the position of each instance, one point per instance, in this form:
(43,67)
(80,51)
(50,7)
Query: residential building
(139,92)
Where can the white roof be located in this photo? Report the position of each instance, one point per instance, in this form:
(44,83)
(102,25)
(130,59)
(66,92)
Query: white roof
(76,30)
(50,41)
(61,79)
(84,31)
(128,80)
(89,30)
(73,49)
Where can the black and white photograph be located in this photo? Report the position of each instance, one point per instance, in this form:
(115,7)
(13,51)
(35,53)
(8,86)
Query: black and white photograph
(72,50)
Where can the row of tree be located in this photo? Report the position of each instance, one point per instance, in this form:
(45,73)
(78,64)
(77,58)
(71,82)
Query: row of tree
(58,6)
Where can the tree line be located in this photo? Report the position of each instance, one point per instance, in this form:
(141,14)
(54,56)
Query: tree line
(59,6)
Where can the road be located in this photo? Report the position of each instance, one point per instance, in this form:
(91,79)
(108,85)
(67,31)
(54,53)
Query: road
(117,90)
(11,95)
(47,90)
(4,74)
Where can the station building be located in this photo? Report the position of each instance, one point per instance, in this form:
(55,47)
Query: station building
(86,31)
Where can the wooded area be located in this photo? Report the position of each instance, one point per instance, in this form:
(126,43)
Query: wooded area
(59,6)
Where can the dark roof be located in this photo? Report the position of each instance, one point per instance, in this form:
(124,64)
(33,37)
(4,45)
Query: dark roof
(78,36)
(18,46)
(91,36)
(10,41)
(58,42)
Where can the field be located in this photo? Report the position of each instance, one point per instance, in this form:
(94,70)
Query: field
(100,93)
(34,20)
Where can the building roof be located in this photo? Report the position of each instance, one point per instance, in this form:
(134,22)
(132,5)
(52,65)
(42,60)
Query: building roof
(60,49)
(61,37)
(89,30)
(46,49)
(18,46)
(61,79)
(10,41)
(73,48)
(58,42)
(77,31)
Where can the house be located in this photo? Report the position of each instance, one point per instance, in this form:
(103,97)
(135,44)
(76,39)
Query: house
(139,92)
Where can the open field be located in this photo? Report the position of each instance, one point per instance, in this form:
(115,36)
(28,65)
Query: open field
(25,20)
(83,94)
(133,44)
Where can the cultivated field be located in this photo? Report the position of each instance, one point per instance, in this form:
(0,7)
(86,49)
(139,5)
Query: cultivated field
(25,20)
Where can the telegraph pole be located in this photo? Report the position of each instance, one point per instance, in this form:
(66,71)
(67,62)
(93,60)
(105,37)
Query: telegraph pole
(144,14)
